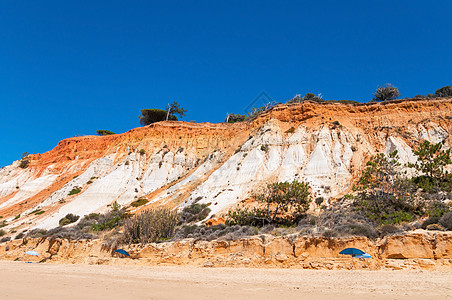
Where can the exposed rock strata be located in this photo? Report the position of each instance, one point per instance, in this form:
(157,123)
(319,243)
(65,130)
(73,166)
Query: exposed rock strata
(416,250)
(326,145)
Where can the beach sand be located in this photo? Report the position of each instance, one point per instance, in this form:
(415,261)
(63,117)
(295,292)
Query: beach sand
(19,280)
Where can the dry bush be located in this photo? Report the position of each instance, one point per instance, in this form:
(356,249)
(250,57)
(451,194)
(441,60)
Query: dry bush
(216,232)
(435,227)
(194,213)
(446,221)
(150,226)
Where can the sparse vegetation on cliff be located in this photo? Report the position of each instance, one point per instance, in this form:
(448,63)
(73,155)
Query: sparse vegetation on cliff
(139,202)
(307,96)
(74,191)
(104,132)
(281,203)
(68,219)
(194,213)
(387,196)
(24,161)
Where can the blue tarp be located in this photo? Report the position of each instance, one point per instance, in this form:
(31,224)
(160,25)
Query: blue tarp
(121,251)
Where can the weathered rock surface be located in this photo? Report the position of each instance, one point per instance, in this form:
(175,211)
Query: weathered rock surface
(326,145)
(421,250)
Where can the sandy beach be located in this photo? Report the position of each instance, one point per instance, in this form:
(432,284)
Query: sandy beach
(19,280)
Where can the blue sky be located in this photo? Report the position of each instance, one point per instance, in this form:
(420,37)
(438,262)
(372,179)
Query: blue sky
(70,68)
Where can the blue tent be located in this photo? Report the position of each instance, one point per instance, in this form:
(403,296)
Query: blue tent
(123,252)
(34,253)
(365,255)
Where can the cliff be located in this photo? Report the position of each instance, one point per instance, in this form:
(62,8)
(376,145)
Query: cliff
(415,250)
(324,144)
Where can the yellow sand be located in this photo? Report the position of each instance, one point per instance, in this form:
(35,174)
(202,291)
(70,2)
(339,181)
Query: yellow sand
(19,280)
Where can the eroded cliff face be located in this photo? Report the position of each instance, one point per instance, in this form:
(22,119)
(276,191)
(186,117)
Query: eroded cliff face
(326,145)
(415,250)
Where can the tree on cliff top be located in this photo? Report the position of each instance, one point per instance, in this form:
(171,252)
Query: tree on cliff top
(175,109)
(445,91)
(149,116)
(386,93)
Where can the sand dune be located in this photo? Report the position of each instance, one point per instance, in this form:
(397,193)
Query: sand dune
(19,280)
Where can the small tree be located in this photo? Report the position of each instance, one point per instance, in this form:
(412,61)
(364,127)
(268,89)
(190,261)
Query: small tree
(175,109)
(445,91)
(277,198)
(387,92)
(431,162)
(24,160)
(384,195)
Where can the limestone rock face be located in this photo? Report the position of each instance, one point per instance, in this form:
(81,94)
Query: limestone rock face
(326,145)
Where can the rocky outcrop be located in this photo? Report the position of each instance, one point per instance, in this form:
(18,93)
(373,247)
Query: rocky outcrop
(178,163)
(420,250)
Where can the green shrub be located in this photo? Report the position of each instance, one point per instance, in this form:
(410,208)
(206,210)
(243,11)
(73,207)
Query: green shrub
(396,217)
(74,191)
(99,222)
(290,130)
(142,152)
(104,132)
(68,219)
(17,217)
(107,221)
(150,116)
(37,212)
(2,232)
(245,217)
(446,221)
(445,91)
(233,118)
(150,226)
(24,161)
(437,209)
(139,202)
(194,213)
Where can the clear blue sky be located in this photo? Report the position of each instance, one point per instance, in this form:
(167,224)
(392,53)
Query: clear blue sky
(71,67)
